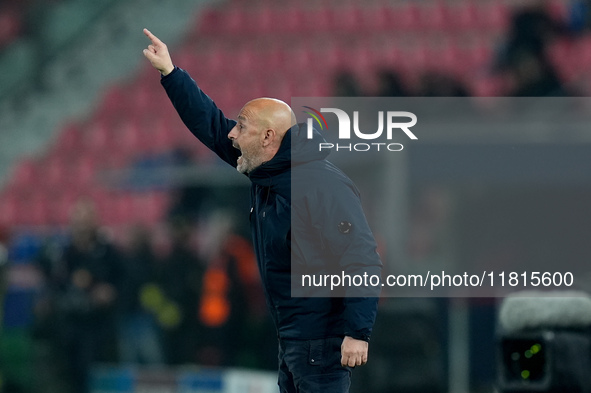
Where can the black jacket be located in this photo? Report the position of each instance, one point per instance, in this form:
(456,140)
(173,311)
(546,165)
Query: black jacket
(323,198)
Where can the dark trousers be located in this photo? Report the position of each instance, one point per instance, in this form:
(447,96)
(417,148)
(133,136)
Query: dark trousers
(312,366)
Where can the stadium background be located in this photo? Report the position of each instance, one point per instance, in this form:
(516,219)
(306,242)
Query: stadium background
(83,118)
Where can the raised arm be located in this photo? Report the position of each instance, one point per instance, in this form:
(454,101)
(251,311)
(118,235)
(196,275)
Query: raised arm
(199,113)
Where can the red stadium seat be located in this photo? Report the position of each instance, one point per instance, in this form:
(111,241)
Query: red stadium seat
(60,206)
(478,53)
(295,20)
(361,58)
(583,53)
(141,100)
(317,20)
(298,59)
(96,137)
(433,16)
(406,17)
(377,18)
(279,87)
(217,60)
(103,200)
(564,56)
(38,210)
(113,103)
(415,57)
(263,21)
(493,15)
(55,171)
(464,16)
(335,55)
(272,56)
(245,60)
(347,19)
(25,175)
(69,140)
(234,21)
(9,209)
(119,210)
(209,21)
(84,170)
(313,85)
(188,60)
(385,52)
(149,208)
(164,136)
(127,136)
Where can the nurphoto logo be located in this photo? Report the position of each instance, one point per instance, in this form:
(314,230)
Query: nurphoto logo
(392,121)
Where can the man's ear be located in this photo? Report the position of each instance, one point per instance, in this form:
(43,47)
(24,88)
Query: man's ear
(269,137)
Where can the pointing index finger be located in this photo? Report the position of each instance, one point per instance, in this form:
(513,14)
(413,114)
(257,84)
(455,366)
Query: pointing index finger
(155,40)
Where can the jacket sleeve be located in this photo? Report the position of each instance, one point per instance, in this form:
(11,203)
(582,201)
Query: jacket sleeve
(347,239)
(200,114)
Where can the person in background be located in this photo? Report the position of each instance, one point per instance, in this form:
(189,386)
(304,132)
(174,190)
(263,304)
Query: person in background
(390,84)
(346,85)
(231,306)
(139,334)
(179,278)
(534,75)
(83,277)
(434,84)
(523,57)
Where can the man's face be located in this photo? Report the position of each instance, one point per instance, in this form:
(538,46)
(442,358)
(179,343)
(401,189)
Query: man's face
(247,137)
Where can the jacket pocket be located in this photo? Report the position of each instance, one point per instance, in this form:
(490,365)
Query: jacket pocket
(316,354)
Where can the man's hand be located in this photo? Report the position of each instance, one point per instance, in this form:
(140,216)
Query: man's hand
(157,53)
(353,352)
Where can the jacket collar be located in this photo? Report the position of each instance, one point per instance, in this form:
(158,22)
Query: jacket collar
(295,149)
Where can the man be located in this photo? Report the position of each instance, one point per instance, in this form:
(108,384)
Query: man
(83,281)
(320,338)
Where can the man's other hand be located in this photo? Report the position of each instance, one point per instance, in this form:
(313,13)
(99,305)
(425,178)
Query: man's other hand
(157,53)
(353,352)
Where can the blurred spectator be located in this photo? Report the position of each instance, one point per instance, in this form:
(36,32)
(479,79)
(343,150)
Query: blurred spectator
(433,84)
(523,56)
(179,276)
(532,28)
(346,85)
(390,85)
(231,305)
(139,335)
(534,76)
(83,282)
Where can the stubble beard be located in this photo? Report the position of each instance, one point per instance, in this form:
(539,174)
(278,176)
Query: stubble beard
(248,162)
(243,165)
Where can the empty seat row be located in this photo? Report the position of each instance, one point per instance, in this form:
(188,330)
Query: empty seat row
(113,207)
(302,19)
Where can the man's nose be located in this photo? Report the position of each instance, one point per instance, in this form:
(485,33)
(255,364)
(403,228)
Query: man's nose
(232,133)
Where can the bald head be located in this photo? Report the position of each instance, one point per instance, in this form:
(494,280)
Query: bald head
(262,124)
(271,113)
